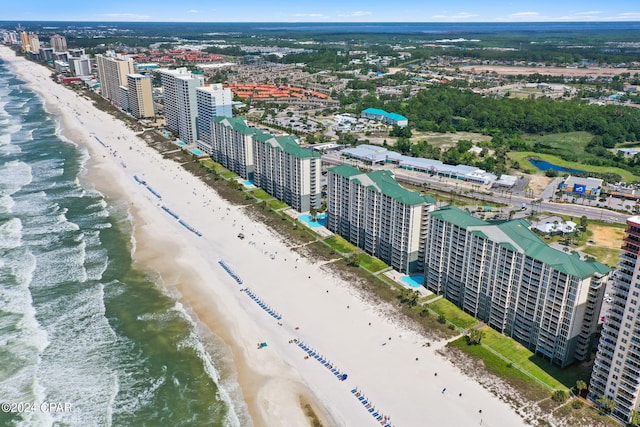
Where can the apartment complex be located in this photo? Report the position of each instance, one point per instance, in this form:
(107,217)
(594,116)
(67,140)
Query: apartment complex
(505,275)
(616,370)
(140,96)
(212,101)
(112,72)
(372,211)
(232,145)
(286,171)
(58,43)
(180,105)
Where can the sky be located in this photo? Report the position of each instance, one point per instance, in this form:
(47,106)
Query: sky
(321,11)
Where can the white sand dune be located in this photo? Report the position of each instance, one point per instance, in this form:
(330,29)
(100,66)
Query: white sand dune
(383,359)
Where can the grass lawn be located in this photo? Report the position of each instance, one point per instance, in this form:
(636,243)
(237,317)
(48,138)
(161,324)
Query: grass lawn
(523,156)
(260,194)
(553,376)
(340,245)
(277,205)
(607,256)
(453,314)
(371,263)
(228,174)
(531,389)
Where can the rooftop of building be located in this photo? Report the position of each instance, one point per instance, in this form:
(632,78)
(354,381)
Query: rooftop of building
(383,182)
(288,144)
(238,124)
(378,112)
(516,236)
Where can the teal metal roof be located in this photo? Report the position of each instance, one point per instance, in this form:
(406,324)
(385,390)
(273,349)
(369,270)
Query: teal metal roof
(515,235)
(288,144)
(382,181)
(238,124)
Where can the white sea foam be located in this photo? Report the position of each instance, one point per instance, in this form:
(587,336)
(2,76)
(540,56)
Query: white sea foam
(195,343)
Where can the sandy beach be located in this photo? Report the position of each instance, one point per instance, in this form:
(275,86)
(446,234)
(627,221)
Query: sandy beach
(386,363)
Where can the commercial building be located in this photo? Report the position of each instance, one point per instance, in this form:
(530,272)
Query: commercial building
(34,43)
(232,145)
(212,101)
(112,73)
(505,275)
(58,43)
(180,104)
(579,186)
(372,211)
(140,96)
(383,116)
(616,370)
(289,173)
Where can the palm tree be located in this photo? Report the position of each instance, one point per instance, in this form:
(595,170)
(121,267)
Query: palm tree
(606,403)
(634,418)
(581,386)
(314,214)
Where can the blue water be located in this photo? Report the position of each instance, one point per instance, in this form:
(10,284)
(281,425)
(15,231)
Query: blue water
(413,281)
(181,144)
(197,152)
(321,220)
(543,165)
(78,323)
(248,183)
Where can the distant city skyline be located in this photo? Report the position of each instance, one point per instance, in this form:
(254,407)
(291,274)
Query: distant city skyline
(326,11)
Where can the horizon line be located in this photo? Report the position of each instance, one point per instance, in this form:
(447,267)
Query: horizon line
(551,21)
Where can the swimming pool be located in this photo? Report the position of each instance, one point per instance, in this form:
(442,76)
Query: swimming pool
(321,220)
(413,281)
(182,144)
(197,152)
(247,183)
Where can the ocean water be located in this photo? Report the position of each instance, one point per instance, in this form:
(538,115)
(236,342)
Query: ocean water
(80,328)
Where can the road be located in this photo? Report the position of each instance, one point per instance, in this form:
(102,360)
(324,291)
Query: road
(515,201)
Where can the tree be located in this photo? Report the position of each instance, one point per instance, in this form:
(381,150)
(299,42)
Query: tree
(634,418)
(583,223)
(581,386)
(474,337)
(606,403)
(314,213)
(560,396)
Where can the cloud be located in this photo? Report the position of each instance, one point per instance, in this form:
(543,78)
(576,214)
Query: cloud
(459,15)
(310,15)
(354,14)
(524,15)
(589,13)
(193,11)
(628,16)
(127,16)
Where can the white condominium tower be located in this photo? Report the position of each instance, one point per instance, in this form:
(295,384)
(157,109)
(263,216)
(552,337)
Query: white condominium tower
(505,275)
(140,96)
(232,145)
(180,105)
(213,101)
(289,173)
(616,370)
(372,211)
(112,72)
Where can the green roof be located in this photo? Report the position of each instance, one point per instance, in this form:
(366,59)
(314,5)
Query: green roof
(238,124)
(383,182)
(288,144)
(515,235)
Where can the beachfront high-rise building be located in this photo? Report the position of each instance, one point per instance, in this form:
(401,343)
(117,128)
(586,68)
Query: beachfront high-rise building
(505,275)
(81,66)
(34,43)
(180,103)
(112,72)
(58,43)
(232,145)
(372,211)
(24,41)
(212,101)
(289,173)
(140,96)
(616,370)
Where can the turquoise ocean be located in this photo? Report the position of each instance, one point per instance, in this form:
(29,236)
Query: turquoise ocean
(79,325)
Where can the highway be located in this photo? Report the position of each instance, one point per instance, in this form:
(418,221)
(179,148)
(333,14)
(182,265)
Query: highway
(473,191)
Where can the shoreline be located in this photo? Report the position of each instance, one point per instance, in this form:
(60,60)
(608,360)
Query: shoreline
(398,377)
